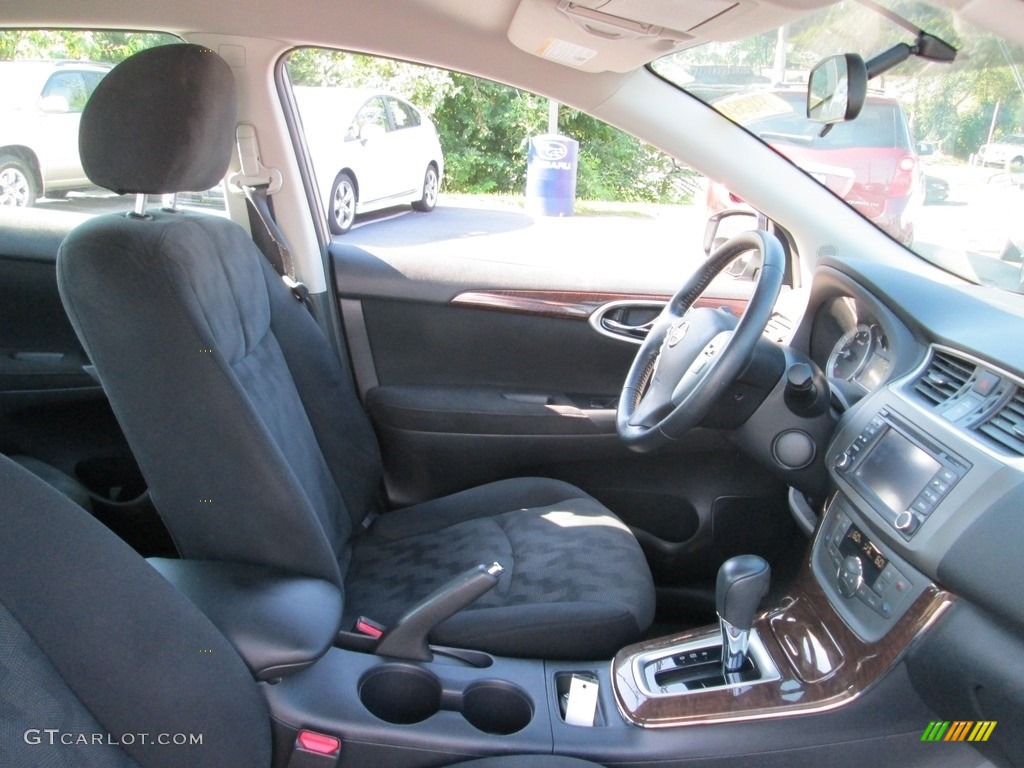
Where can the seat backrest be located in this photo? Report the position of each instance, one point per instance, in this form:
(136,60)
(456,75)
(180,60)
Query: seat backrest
(96,649)
(244,421)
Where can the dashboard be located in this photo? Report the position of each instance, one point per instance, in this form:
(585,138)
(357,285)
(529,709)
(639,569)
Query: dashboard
(927,463)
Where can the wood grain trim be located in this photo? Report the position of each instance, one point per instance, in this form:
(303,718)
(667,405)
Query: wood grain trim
(856,665)
(573,305)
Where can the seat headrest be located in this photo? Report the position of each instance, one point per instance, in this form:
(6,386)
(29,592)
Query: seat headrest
(161,121)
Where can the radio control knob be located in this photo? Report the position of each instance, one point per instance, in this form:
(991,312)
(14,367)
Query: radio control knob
(843,460)
(850,576)
(905,521)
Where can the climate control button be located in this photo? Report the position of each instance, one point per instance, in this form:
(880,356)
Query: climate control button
(850,576)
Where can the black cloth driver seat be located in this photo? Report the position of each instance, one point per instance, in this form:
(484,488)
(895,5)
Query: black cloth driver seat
(247,425)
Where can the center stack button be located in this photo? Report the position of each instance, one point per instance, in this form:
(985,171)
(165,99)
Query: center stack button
(851,576)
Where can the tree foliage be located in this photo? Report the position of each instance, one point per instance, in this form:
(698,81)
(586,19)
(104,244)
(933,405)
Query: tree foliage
(107,46)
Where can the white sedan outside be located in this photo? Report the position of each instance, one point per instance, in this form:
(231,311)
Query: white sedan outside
(370,150)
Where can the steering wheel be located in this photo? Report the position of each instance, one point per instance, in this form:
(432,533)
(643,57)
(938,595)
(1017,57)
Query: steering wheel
(692,355)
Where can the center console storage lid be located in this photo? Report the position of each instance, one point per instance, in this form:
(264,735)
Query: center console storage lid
(278,623)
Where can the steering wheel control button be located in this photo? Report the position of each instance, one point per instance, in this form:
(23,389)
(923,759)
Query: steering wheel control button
(851,576)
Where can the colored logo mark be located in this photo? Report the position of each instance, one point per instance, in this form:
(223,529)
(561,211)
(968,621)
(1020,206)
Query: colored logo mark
(959,730)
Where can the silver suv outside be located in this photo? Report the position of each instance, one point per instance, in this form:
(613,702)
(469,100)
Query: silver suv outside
(41,105)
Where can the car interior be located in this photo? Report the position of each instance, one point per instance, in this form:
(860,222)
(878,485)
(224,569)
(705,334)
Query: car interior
(270,496)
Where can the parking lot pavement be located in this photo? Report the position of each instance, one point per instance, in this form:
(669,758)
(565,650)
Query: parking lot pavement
(666,241)
(91,203)
(982,210)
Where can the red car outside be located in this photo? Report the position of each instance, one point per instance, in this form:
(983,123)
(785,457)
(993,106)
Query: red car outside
(869,162)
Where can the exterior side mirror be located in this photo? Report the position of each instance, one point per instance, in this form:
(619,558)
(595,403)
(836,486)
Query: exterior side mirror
(725,225)
(837,88)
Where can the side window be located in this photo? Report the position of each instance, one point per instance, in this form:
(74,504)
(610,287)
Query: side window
(403,114)
(480,154)
(92,79)
(71,86)
(371,114)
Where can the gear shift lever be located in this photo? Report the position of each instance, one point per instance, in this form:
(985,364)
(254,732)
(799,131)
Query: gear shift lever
(742,582)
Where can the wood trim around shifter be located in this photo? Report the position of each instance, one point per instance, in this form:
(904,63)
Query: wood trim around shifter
(841,667)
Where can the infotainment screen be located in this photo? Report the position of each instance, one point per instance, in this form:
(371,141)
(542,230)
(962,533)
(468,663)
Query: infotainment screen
(896,470)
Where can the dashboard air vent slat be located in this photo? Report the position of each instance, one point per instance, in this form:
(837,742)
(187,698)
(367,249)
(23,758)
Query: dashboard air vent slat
(943,378)
(1006,427)
(778,328)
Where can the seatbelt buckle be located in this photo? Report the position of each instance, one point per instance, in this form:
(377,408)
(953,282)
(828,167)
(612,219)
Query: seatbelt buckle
(315,750)
(369,627)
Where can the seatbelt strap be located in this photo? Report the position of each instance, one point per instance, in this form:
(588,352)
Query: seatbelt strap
(258,182)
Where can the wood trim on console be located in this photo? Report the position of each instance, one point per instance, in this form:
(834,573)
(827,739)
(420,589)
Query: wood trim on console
(575,305)
(826,681)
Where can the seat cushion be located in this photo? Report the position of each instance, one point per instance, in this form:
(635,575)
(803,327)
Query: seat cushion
(575,586)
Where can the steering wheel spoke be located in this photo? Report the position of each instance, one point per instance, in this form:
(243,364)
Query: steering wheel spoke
(693,355)
(700,367)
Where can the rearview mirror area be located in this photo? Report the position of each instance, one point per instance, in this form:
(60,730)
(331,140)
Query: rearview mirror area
(837,89)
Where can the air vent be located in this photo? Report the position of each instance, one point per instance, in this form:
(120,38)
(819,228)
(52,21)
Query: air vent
(1006,427)
(778,328)
(943,378)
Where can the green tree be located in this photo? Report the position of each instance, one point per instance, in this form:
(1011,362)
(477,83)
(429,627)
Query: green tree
(108,47)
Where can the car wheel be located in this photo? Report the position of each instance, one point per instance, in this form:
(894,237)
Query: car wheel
(431,186)
(342,209)
(17,183)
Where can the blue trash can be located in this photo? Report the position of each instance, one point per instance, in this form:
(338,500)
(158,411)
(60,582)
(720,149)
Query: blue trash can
(551,175)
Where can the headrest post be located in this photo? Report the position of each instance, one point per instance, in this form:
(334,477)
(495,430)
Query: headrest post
(141,201)
(169,202)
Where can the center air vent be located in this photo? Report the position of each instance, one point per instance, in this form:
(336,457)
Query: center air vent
(1006,427)
(778,328)
(943,378)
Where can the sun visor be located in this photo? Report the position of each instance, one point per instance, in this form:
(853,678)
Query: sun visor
(611,35)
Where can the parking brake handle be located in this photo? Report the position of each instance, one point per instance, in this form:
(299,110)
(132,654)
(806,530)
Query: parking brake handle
(407,638)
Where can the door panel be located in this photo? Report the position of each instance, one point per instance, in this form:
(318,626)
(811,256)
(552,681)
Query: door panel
(38,347)
(55,419)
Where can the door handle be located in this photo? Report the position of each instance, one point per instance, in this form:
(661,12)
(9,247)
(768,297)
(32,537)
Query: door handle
(627,320)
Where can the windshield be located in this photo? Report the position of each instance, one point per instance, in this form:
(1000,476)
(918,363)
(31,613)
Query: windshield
(935,158)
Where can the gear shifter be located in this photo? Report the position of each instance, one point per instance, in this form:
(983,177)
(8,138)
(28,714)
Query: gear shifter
(742,582)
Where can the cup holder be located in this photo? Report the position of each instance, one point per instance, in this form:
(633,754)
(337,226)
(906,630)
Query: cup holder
(497,707)
(403,694)
(400,694)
